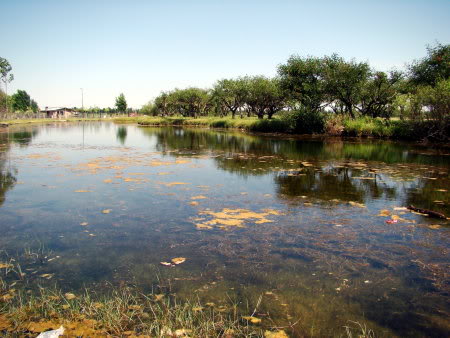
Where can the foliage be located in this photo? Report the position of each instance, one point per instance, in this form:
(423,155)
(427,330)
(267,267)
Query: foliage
(34,106)
(303,121)
(231,93)
(263,96)
(149,109)
(302,80)
(3,101)
(21,101)
(5,69)
(5,77)
(379,93)
(121,103)
(334,125)
(433,68)
(344,82)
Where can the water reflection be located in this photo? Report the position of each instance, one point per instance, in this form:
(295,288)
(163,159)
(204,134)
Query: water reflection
(121,134)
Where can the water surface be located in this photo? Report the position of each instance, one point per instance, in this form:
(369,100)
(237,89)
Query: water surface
(298,226)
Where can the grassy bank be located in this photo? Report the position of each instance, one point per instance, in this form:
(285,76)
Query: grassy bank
(359,127)
(248,124)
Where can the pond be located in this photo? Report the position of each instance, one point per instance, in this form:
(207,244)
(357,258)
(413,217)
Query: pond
(312,233)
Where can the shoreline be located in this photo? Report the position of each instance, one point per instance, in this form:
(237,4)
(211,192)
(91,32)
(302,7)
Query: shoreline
(246,125)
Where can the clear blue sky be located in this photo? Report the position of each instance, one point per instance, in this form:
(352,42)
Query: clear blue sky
(143,47)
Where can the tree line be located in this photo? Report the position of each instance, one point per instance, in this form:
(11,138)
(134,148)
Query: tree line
(317,85)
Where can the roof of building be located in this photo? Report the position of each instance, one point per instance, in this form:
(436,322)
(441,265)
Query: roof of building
(50,109)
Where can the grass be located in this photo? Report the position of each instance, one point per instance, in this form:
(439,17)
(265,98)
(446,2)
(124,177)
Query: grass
(249,124)
(127,312)
(122,312)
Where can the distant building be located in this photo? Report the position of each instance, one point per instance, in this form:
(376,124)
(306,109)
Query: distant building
(58,112)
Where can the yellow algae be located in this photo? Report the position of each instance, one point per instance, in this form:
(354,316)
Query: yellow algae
(129,179)
(356,204)
(5,266)
(106,211)
(83,190)
(193,203)
(162,173)
(263,220)
(203,226)
(275,334)
(252,319)
(384,213)
(229,222)
(178,260)
(272,211)
(235,217)
(171,184)
(108,180)
(199,197)
(434,226)
(69,296)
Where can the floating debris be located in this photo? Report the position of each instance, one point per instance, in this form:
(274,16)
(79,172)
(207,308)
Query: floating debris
(252,319)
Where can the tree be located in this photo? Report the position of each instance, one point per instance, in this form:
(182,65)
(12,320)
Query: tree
(433,68)
(162,103)
(379,94)
(264,96)
(20,101)
(149,109)
(190,101)
(232,93)
(6,77)
(302,80)
(344,81)
(34,106)
(121,103)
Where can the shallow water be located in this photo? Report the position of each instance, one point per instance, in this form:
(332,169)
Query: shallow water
(297,227)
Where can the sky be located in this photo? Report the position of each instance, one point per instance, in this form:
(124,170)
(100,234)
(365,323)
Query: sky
(141,48)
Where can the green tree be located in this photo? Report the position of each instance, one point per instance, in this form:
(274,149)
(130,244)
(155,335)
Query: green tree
(149,109)
(302,80)
(264,96)
(379,93)
(21,101)
(5,77)
(432,68)
(232,93)
(34,106)
(344,82)
(121,103)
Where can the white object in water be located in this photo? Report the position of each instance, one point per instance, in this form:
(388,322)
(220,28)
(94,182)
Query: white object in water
(52,333)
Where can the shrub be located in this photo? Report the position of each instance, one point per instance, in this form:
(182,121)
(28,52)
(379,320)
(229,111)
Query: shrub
(334,125)
(302,121)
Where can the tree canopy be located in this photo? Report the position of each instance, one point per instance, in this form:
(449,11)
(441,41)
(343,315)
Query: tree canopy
(121,103)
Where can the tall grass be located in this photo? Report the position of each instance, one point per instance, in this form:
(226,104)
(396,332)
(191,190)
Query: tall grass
(123,311)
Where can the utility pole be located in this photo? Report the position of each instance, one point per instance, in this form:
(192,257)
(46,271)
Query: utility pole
(82,103)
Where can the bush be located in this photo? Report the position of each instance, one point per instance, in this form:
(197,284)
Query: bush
(302,121)
(334,125)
